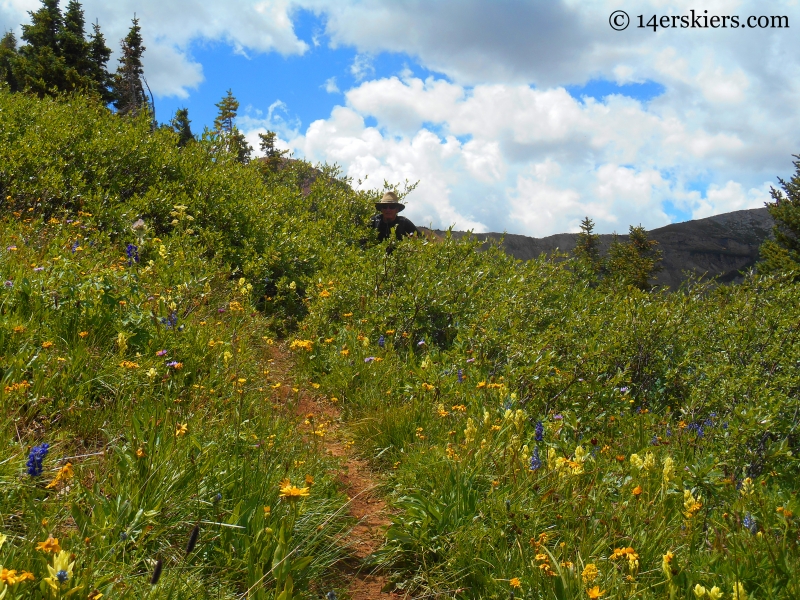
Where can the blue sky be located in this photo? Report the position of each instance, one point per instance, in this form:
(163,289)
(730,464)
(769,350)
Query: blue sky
(513,115)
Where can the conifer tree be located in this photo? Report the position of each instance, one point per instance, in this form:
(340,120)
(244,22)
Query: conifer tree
(181,125)
(587,247)
(8,59)
(41,68)
(99,55)
(272,156)
(782,255)
(228,137)
(634,262)
(128,90)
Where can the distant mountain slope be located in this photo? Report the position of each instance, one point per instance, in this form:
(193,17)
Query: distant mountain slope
(722,245)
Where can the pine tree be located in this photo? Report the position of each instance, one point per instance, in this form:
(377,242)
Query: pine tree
(128,90)
(41,68)
(99,55)
(634,262)
(227,136)
(8,60)
(181,125)
(587,247)
(782,255)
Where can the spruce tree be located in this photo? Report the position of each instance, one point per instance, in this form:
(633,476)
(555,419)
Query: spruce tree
(74,49)
(181,125)
(41,68)
(272,156)
(634,262)
(587,248)
(128,90)
(99,55)
(782,255)
(228,138)
(8,61)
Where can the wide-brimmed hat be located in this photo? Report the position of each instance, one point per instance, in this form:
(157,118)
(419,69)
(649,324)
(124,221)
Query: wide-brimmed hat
(390,199)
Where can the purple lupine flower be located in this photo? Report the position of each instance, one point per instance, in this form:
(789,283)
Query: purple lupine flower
(558,417)
(381,342)
(421,343)
(37,269)
(624,389)
(536,462)
(369,359)
(8,283)
(469,360)
(460,376)
(539,431)
(75,246)
(161,353)
(35,459)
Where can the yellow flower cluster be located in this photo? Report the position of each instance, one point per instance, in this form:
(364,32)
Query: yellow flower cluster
(691,504)
(306,345)
(127,364)
(12,577)
(15,387)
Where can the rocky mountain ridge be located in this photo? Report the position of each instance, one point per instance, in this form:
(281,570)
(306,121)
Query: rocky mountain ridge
(721,246)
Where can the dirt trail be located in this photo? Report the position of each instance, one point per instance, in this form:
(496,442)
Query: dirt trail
(355,477)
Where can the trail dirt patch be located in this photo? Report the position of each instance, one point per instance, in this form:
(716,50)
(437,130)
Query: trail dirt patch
(322,418)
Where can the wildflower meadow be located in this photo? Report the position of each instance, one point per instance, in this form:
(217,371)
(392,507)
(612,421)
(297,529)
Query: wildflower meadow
(537,432)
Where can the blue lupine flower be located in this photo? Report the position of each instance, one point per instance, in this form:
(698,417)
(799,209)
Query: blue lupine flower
(123,536)
(35,459)
(133,254)
(460,376)
(508,404)
(750,523)
(669,432)
(75,247)
(654,440)
(331,595)
(536,462)
(62,576)
(369,359)
(170,321)
(381,342)
(217,497)
(539,431)
(508,505)
(624,389)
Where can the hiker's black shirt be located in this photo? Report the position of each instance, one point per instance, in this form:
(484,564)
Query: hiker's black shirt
(402,227)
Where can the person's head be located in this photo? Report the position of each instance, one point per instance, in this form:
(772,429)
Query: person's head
(389,206)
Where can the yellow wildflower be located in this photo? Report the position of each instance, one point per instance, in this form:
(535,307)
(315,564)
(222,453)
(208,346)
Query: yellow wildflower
(11,577)
(83,334)
(691,504)
(480,385)
(699,591)
(636,461)
(345,352)
(747,488)
(127,364)
(669,469)
(140,453)
(595,592)
(47,345)
(64,474)
(738,592)
(49,545)
(292,493)
(61,571)
(714,593)
(514,582)
(181,429)
(589,574)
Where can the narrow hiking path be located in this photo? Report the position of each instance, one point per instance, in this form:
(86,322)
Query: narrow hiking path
(323,418)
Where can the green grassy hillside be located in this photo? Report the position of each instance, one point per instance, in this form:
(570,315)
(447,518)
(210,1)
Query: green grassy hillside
(538,435)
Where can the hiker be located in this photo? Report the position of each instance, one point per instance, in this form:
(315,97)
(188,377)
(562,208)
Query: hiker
(389,206)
